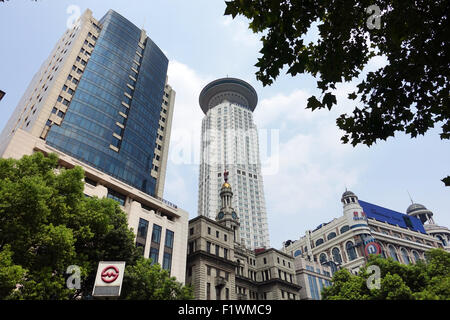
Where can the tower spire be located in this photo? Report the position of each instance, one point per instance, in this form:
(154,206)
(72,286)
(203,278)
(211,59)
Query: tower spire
(412,202)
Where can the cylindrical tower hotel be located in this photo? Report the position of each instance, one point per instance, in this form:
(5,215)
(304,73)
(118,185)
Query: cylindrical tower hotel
(230,142)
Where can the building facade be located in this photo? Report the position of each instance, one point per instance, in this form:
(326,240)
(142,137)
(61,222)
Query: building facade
(219,267)
(441,233)
(101,101)
(363,229)
(102,97)
(312,276)
(230,142)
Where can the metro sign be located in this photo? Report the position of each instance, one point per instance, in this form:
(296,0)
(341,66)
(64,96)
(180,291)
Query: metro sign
(372,248)
(108,282)
(110,274)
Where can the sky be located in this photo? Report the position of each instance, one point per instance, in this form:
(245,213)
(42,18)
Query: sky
(305,171)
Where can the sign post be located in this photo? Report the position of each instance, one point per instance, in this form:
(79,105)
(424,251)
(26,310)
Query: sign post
(108,282)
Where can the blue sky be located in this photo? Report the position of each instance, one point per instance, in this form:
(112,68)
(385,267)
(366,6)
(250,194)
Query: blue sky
(202,45)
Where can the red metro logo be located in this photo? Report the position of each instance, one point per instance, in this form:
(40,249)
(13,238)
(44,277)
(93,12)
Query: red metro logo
(372,248)
(110,274)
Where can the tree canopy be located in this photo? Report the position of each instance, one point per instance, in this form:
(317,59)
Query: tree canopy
(410,93)
(47,224)
(146,281)
(425,280)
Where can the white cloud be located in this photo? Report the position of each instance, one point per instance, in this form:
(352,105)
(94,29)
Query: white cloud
(240,32)
(312,169)
(313,164)
(281,108)
(289,110)
(185,136)
(182,170)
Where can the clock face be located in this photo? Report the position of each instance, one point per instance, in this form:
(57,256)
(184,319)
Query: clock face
(234,215)
(220,216)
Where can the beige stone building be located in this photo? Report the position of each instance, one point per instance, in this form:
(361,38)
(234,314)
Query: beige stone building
(312,277)
(220,267)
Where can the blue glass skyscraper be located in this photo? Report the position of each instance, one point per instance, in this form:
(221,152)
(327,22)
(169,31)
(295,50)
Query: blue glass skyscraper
(101,101)
(113,116)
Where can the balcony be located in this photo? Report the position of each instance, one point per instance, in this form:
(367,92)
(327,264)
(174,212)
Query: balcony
(170,204)
(220,282)
(241,296)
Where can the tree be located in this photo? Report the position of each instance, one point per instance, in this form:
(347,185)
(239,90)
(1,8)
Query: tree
(410,94)
(10,274)
(47,224)
(346,286)
(147,281)
(428,280)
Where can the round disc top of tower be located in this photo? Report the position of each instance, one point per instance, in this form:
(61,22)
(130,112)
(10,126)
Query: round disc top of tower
(230,89)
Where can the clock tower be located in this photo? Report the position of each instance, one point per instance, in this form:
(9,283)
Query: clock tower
(226,215)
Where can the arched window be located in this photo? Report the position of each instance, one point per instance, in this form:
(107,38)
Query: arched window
(297,253)
(323,258)
(393,253)
(383,252)
(345,229)
(336,255)
(405,256)
(351,252)
(331,235)
(319,242)
(442,240)
(416,256)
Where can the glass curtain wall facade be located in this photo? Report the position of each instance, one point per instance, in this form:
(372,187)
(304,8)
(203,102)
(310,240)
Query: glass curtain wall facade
(113,118)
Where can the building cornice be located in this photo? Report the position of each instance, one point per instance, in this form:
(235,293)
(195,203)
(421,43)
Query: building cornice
(275,250)
(279,281)
(400,241)
(209,220)
(210,256)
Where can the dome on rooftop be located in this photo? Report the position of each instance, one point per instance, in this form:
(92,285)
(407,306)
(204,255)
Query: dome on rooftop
(348,194)
(415,207)
(226,185)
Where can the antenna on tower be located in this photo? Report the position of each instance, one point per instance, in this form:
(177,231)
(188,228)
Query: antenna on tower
(410,197)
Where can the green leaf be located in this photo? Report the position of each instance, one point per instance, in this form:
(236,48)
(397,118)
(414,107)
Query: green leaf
(313,103)
(329,100)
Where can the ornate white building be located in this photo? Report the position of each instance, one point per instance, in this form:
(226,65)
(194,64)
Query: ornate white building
(230,142)
(365,228)
(426,217)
